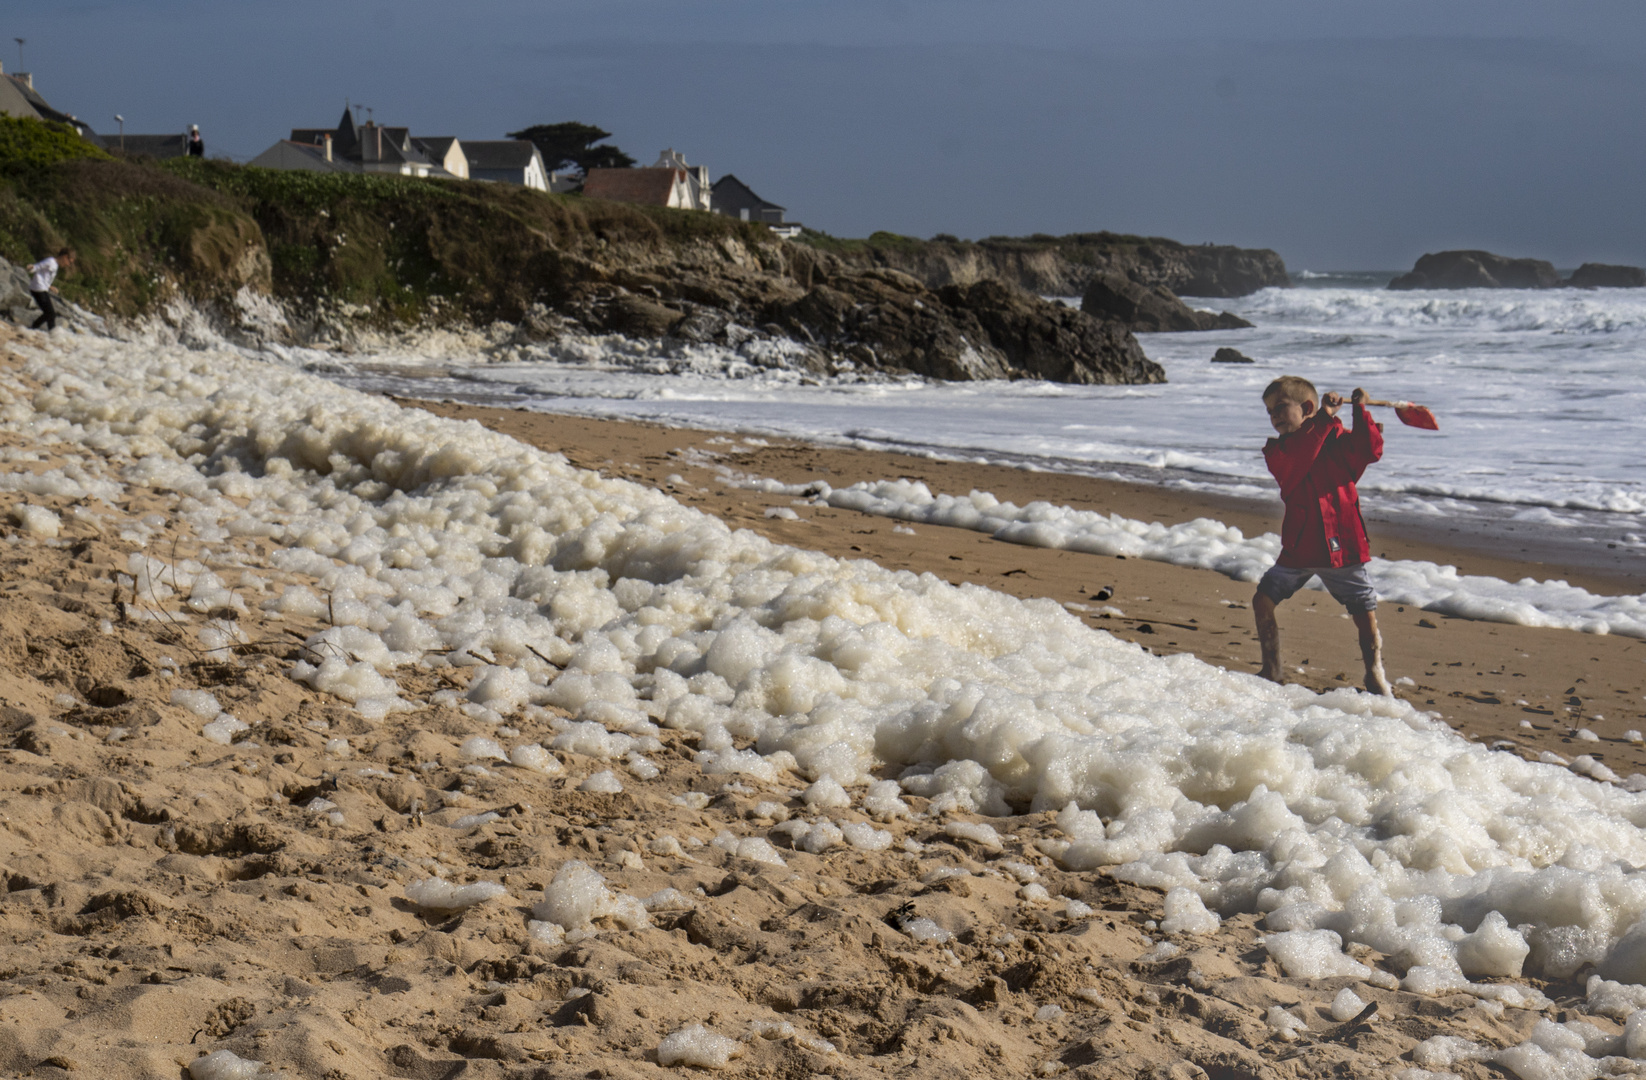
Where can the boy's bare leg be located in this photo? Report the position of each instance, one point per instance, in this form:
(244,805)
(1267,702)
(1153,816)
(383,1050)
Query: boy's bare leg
(1268,638)
(1371,651)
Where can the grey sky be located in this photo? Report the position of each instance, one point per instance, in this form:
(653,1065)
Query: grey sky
(1343,137)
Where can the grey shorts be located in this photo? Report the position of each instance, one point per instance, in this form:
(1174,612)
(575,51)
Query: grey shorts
(1348,585)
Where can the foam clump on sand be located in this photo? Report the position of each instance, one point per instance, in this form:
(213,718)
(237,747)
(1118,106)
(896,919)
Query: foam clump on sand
(440,545)
(533,757)
(433,894)
(1284,1025)
(604,782)
(696,1045)
(224,728)
(227,1065)
(977,832)
(884,801)
(201,703)
(826,794)
(756,848)
(924,929)
(578,895)
(1313,954)
(359,683)
(1186,914)
(37,521)
(814,838)
(1346,1005)
(1494,949)
(1607,998)
(865,837)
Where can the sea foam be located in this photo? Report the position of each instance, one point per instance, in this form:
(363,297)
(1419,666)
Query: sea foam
(1341,817)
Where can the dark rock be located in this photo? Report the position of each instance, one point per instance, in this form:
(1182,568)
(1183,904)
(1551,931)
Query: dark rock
(1050,340)
(987,330)
(1603,276)
(897,322)
(1477,270)
(704,324)
(888,320)
(1149,308)
(639,316)
(1227,355)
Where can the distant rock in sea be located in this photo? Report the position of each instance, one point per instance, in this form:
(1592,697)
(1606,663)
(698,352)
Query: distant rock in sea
(1227,355)
(1477,270)
(1149,308)
(1604,276)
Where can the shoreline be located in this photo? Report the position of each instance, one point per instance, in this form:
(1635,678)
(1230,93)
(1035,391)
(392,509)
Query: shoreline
(1484,544)
(1475,675)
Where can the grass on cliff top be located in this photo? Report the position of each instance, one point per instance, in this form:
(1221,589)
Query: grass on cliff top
(313,192)
(28,142)
(837,245)
(408,249)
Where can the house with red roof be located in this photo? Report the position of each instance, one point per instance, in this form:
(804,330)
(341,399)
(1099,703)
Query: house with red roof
(671,182)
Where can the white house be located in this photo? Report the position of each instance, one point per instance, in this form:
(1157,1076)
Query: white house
(446,152)
(509,161)
(699,194)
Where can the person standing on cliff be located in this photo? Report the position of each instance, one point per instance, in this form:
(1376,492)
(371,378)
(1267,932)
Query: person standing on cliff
(197,145)
(41,276)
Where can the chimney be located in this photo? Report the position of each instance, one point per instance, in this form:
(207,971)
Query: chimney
(327,138)
(26,78)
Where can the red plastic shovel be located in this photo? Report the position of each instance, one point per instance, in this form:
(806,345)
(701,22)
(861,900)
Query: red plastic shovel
(1411,415)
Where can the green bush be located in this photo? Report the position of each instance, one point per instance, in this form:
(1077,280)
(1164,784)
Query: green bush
(25,141)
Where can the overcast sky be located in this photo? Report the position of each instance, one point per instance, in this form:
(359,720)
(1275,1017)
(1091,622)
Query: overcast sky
(1344,136)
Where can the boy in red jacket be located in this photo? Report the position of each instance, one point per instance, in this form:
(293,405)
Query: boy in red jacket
(1317,463)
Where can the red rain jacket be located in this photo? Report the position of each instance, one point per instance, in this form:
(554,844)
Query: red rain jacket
(1317,466)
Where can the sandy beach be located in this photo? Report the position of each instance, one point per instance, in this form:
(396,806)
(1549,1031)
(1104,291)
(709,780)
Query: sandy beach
(170,895)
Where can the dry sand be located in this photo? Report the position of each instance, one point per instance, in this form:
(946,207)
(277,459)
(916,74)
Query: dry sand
(165,896)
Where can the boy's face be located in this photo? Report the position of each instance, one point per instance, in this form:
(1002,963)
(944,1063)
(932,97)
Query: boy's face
(1287,415)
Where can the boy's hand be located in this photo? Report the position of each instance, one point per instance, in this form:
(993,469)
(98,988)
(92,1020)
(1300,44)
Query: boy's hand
(1359,396)
(1331,402)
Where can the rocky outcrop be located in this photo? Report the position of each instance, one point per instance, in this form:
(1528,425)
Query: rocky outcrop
(1477,270)
(1227,355)
(886,320)
(1065,265)
(846,318)
(1149,308)
(344,261)
(1604,276)
(882,320)
(1051,341)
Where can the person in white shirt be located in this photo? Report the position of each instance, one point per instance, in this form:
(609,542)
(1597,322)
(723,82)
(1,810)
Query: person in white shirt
(41,275)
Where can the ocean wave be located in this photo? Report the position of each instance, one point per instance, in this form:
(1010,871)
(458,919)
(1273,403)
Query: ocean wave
(1494,310)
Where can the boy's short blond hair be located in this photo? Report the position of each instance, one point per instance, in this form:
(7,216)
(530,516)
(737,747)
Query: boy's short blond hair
(1292,388)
